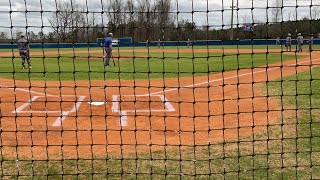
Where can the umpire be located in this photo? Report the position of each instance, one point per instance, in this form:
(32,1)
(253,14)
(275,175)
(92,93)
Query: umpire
(23,46)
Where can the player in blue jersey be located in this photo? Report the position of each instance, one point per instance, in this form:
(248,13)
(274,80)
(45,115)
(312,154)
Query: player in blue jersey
(107,44)
(23,46)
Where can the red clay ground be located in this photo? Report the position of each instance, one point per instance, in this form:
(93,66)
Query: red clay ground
(233,106)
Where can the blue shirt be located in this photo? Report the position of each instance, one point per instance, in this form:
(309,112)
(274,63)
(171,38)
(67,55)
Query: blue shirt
(107,42)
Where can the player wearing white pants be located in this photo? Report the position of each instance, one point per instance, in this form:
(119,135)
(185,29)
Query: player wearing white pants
(23,46)
(300,42)
(288,42)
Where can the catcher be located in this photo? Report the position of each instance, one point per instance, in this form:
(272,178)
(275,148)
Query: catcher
(23,46)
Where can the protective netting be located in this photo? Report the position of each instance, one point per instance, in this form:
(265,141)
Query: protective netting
(157,89)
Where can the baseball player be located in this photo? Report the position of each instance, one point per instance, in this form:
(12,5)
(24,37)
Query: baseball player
(23,46)
(299,42)
(107,43)
(188,43)
(310,42)
(159,43)
(278,41)
(288,42)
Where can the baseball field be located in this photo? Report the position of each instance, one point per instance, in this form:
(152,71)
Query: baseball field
(231,112)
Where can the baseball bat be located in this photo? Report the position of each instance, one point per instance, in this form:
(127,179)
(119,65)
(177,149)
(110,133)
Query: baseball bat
(113,61)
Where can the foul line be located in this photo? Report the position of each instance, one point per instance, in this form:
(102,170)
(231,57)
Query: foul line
(29,91)
(231,77)
(59,120)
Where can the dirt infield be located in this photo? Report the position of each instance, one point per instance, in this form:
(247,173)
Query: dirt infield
(186,111)
(88,52)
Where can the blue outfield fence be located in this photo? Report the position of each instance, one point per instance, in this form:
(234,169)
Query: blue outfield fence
(155,43)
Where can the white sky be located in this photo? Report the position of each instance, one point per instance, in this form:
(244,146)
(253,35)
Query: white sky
(219,12)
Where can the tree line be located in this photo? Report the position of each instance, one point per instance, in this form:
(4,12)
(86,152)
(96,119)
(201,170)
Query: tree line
(151,20)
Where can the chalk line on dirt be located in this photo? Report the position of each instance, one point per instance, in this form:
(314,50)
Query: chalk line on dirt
(226,78)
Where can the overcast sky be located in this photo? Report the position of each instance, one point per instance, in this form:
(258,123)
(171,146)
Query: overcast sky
(219,12)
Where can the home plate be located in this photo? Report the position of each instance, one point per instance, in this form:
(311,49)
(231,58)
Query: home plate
(97,103)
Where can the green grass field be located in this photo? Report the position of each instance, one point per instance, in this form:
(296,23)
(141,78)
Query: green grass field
(287,149)
(158,65)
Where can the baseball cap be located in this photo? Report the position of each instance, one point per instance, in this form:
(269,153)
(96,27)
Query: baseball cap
(22,35)
(110,34)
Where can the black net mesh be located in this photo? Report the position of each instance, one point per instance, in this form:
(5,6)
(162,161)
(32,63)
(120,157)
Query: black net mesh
(157,89)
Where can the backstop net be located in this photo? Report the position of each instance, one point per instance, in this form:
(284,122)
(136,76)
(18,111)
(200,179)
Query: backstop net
(159,89)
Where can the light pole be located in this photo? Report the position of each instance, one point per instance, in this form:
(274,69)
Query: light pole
(232,7)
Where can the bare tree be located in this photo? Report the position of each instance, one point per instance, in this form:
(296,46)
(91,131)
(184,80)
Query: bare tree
(3,36)
(129,8)
(17,34)
(142,19)
(315,12)
(289,15)
(67,20)
(32,36)
(117,16)
(143,9)
(164,19)
(41,36)
(277,10)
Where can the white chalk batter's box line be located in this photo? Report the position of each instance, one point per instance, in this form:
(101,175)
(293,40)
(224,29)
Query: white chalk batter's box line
(64,114)
(123,112)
